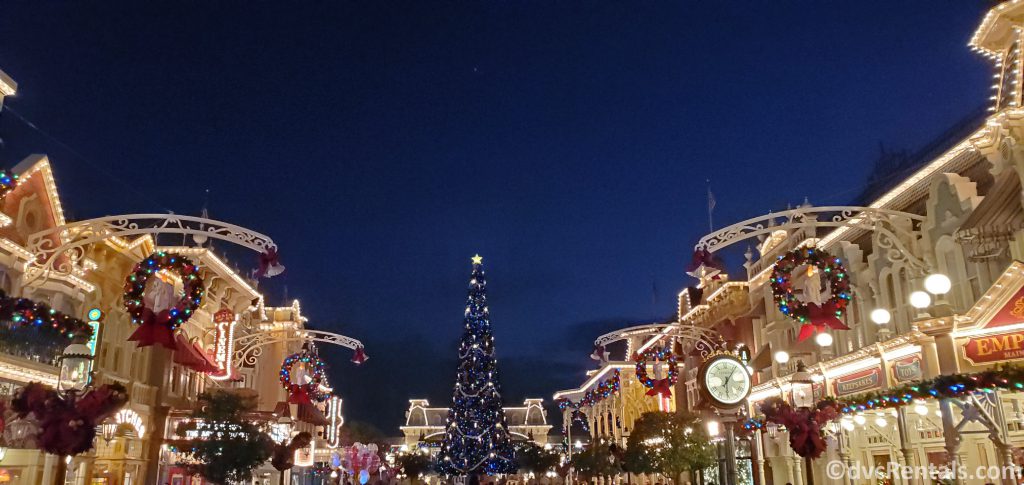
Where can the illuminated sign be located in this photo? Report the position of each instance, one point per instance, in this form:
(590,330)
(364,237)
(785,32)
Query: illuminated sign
(994,348)
(131,418)
(858,382)
(334,414)
(223,347)
(94,315)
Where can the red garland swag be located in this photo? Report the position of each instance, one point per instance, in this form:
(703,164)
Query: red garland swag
(158,326)
(67,426)
(814,317)
(806,437)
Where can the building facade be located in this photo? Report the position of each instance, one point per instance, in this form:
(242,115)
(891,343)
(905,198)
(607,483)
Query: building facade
(162,384)
(424,425)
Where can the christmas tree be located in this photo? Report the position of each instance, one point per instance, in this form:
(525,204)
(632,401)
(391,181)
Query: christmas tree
(476,438)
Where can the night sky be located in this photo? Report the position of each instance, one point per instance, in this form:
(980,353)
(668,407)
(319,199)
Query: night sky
(382,144)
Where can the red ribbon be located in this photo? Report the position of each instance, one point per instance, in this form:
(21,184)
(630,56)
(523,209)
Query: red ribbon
(820,317)
(661,386)
(155,329)
(297,395)
(703,257)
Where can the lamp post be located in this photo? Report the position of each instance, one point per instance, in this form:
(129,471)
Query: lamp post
(803,397)
(108,430)
(75,376)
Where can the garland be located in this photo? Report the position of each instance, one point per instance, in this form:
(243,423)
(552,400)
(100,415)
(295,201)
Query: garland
(299,393)
(25,313)
(814,317)
(1005,377)
(803,423)
(159,327)
(657,386)
(605,389)
(61,425)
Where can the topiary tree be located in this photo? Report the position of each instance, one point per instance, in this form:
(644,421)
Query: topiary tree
(414,465)
(670,444)
(535,459)
(596,461)
(228,445)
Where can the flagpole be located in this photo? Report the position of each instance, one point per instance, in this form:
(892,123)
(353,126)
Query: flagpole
(711,206)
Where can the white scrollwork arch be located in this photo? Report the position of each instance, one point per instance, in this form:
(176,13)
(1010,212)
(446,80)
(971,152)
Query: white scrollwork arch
(249,348)
(894,229)
(70,240)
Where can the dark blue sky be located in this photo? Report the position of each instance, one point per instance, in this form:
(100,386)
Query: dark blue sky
(381,144)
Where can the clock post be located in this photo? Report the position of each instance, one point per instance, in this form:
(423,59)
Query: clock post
(725,384)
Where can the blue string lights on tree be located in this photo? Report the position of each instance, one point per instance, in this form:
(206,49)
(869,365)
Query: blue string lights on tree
(476,438)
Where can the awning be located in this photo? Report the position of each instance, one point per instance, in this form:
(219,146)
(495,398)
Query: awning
(990,226)
(309,413)
(190,355)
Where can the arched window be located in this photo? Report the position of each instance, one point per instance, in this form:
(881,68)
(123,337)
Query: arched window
(949,258)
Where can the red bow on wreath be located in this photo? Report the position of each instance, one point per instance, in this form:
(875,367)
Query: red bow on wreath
(297,395)
(661,386)
(155,329)
(270,265)
(820,316)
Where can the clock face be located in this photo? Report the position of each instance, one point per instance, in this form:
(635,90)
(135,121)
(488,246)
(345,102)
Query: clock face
(726,380)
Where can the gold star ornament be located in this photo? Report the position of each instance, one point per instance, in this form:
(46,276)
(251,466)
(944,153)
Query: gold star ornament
(478,259)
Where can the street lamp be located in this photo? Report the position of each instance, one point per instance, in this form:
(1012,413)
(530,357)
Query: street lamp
(802,383)
(880,316)
(938,284)
(74,368)
(108,430)
(782,357)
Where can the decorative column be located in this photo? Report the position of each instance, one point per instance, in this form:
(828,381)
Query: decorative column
(903,424)
(758,451)
(929,357)
(798,474)
(952,437)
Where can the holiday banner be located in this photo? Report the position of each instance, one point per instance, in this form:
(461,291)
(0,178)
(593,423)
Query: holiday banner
(858,382)
(994,348)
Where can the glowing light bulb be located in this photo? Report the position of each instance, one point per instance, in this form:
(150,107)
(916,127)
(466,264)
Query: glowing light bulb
(823,339)
(782,357)
(938,284)
(920,299)
(881,316)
